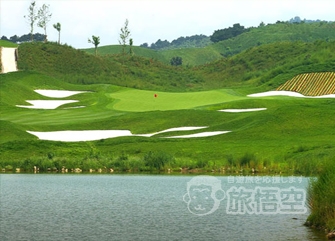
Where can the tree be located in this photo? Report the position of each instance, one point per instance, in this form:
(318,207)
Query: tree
(44,17)
(57,26)
(144,45)
(96,41)
(124,35)
(175,61)
(262,24)
(228,33)
(31,18)
(131,52)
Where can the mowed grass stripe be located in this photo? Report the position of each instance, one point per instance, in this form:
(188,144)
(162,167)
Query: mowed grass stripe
(311,84)
(142,100)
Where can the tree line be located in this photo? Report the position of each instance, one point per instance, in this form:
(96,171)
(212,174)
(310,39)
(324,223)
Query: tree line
(24,38)
(195,41)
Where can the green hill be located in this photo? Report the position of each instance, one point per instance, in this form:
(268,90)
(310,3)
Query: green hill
(77,66)
(268,66)
(271,33)
(190,56)
(279,32)
(264,67)
(138,51)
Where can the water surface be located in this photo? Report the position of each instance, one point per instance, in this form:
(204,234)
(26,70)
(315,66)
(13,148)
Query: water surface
(129,207)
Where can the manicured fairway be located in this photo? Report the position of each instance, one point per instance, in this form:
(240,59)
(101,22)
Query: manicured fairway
(142,100)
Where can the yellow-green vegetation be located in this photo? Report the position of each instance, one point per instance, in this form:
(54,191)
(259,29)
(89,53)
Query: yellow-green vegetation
(311,84)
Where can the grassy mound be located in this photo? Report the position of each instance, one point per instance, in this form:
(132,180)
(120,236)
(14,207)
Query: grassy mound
(311,84)
(76,66)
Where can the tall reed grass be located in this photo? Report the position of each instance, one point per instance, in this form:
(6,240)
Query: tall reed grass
(321,198)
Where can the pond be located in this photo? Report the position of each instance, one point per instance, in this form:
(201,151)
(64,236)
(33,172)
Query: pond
(152,207)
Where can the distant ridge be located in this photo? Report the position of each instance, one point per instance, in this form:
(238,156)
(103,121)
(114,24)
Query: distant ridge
(311,84)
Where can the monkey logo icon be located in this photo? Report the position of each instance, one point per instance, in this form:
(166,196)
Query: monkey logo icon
(204,195)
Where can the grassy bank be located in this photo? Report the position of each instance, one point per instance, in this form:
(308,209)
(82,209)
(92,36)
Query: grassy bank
(321,199)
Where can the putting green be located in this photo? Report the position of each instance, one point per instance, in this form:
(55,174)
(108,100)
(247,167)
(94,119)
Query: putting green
(142,100)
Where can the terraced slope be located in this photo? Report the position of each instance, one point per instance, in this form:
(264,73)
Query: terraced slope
(311,84)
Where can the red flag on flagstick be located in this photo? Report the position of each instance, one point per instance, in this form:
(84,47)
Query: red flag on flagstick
(155,95)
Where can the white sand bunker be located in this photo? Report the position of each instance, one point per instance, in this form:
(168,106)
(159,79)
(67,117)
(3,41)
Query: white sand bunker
(242,110)
(75,136)
(46,104)
(185,128)
(288,93)
(201,134)
(94,135)
(58,93)
(277,93)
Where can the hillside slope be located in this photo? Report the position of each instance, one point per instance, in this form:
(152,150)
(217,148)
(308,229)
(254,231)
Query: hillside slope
(279,32)
(264,67)
(271,33)
(268,66)
(77,66)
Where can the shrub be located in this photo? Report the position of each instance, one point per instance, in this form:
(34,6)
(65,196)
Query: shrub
(157,160)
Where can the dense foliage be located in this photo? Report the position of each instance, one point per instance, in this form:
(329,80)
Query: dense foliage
(227,33)
(175,61)
(195,41)
(24,38)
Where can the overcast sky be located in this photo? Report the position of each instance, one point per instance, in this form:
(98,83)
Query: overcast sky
(150,20)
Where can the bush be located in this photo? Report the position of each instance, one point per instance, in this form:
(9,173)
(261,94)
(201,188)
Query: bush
(175,61)
(157,160)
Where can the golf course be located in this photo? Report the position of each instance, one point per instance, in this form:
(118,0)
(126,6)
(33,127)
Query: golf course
(236,107)
(181,118)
